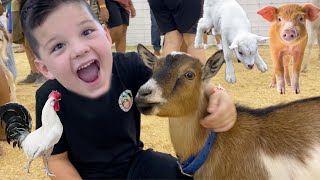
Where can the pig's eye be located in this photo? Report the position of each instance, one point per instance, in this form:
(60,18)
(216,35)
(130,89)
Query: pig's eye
(240,53)
(279,19)
(301,18)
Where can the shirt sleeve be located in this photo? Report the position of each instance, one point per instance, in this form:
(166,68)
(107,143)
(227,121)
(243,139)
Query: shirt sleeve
(41,98)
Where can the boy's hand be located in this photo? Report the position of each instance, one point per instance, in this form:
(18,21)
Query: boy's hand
(104,14)
(222,111)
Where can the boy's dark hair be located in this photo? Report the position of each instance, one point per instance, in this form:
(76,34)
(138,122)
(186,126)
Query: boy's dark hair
(35,12)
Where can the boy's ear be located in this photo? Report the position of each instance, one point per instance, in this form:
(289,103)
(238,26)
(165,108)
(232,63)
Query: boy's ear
(43,69)
(107,32)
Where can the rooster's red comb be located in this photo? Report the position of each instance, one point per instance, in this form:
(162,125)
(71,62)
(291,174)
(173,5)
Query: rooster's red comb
(55,94)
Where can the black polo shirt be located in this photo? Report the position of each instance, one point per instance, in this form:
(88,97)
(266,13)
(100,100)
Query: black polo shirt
(100,136)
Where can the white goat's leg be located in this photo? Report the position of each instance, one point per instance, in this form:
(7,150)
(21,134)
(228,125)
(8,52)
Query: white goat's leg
(203,25)
(262,66)
(228,56)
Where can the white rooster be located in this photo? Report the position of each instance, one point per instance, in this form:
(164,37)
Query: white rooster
(39,142)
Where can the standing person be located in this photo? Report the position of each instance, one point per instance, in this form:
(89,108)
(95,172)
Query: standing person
(218,41)
(101,136)
(178,20)
(155,35)
(34,77)
(117,13)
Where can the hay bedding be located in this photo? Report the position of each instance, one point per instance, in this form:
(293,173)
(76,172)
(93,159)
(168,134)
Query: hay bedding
(252,89)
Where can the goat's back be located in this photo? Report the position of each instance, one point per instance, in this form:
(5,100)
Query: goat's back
(279,142)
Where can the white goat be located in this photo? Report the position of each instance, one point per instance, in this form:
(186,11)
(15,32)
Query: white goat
(280,142)
(231,22)
(314,34)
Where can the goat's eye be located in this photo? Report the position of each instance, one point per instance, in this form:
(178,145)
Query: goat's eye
(240,53)
(189,75)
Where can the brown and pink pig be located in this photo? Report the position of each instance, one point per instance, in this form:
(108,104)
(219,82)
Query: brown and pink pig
(288,38)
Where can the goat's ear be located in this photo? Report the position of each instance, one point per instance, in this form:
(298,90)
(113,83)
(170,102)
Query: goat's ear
(212,66)
(234,44)
(148,57)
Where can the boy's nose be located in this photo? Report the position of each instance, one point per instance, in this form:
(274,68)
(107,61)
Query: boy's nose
(80,50)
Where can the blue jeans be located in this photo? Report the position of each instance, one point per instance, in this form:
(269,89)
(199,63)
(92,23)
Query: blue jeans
(155,33)
(11,65)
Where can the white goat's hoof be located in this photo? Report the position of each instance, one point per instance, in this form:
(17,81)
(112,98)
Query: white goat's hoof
(263,68)
(231,79)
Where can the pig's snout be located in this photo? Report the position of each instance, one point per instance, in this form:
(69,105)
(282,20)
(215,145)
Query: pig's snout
(289,34)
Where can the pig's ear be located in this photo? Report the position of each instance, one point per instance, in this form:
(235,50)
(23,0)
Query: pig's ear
(269,13)
(234,44)
(262,40)
(312,11)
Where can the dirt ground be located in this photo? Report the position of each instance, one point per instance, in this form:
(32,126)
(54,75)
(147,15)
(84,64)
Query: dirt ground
(252,89)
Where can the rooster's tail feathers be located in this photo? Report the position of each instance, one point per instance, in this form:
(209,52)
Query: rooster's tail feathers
(18,122)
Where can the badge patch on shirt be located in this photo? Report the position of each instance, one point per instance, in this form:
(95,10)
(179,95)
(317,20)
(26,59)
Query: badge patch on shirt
(125,100)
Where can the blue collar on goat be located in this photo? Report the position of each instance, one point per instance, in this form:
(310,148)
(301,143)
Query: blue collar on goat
(193,163)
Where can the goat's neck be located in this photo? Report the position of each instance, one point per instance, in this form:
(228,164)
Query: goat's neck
(187,135)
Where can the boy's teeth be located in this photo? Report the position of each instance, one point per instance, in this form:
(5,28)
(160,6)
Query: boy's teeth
(86,65)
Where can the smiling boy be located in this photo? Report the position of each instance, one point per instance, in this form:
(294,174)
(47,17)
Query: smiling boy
(101,137)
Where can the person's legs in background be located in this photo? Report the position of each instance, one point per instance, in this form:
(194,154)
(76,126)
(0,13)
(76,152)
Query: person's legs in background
(10,64)
(119,37)
(34,77)
(218,41)
(118,24)
(155,35)
(178,23)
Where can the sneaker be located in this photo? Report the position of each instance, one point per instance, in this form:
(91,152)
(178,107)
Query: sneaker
(219,46)
(157,52)
(40,79)
(31,78)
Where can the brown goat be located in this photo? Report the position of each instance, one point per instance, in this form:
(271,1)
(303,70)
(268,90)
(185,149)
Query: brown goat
(277,142)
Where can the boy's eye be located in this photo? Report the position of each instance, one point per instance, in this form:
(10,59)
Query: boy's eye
(87,32)
(57,47)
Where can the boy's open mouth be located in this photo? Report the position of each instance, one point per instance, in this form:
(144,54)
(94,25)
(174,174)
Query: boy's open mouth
(89,72)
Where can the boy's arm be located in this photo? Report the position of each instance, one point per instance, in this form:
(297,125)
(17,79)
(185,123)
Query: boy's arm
(222,111)
(62,168)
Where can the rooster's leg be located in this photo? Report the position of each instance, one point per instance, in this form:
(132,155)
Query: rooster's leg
(48,173)
(28,166)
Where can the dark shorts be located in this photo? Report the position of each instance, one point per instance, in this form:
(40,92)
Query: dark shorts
(181,15)
(154,165)
(118,15)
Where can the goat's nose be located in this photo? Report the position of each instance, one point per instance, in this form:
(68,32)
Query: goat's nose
(250,66)
(289,35)
(145,92)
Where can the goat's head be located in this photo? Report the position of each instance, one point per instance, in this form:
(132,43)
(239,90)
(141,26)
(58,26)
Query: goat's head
(246,46)
(177,83)
(3,43)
